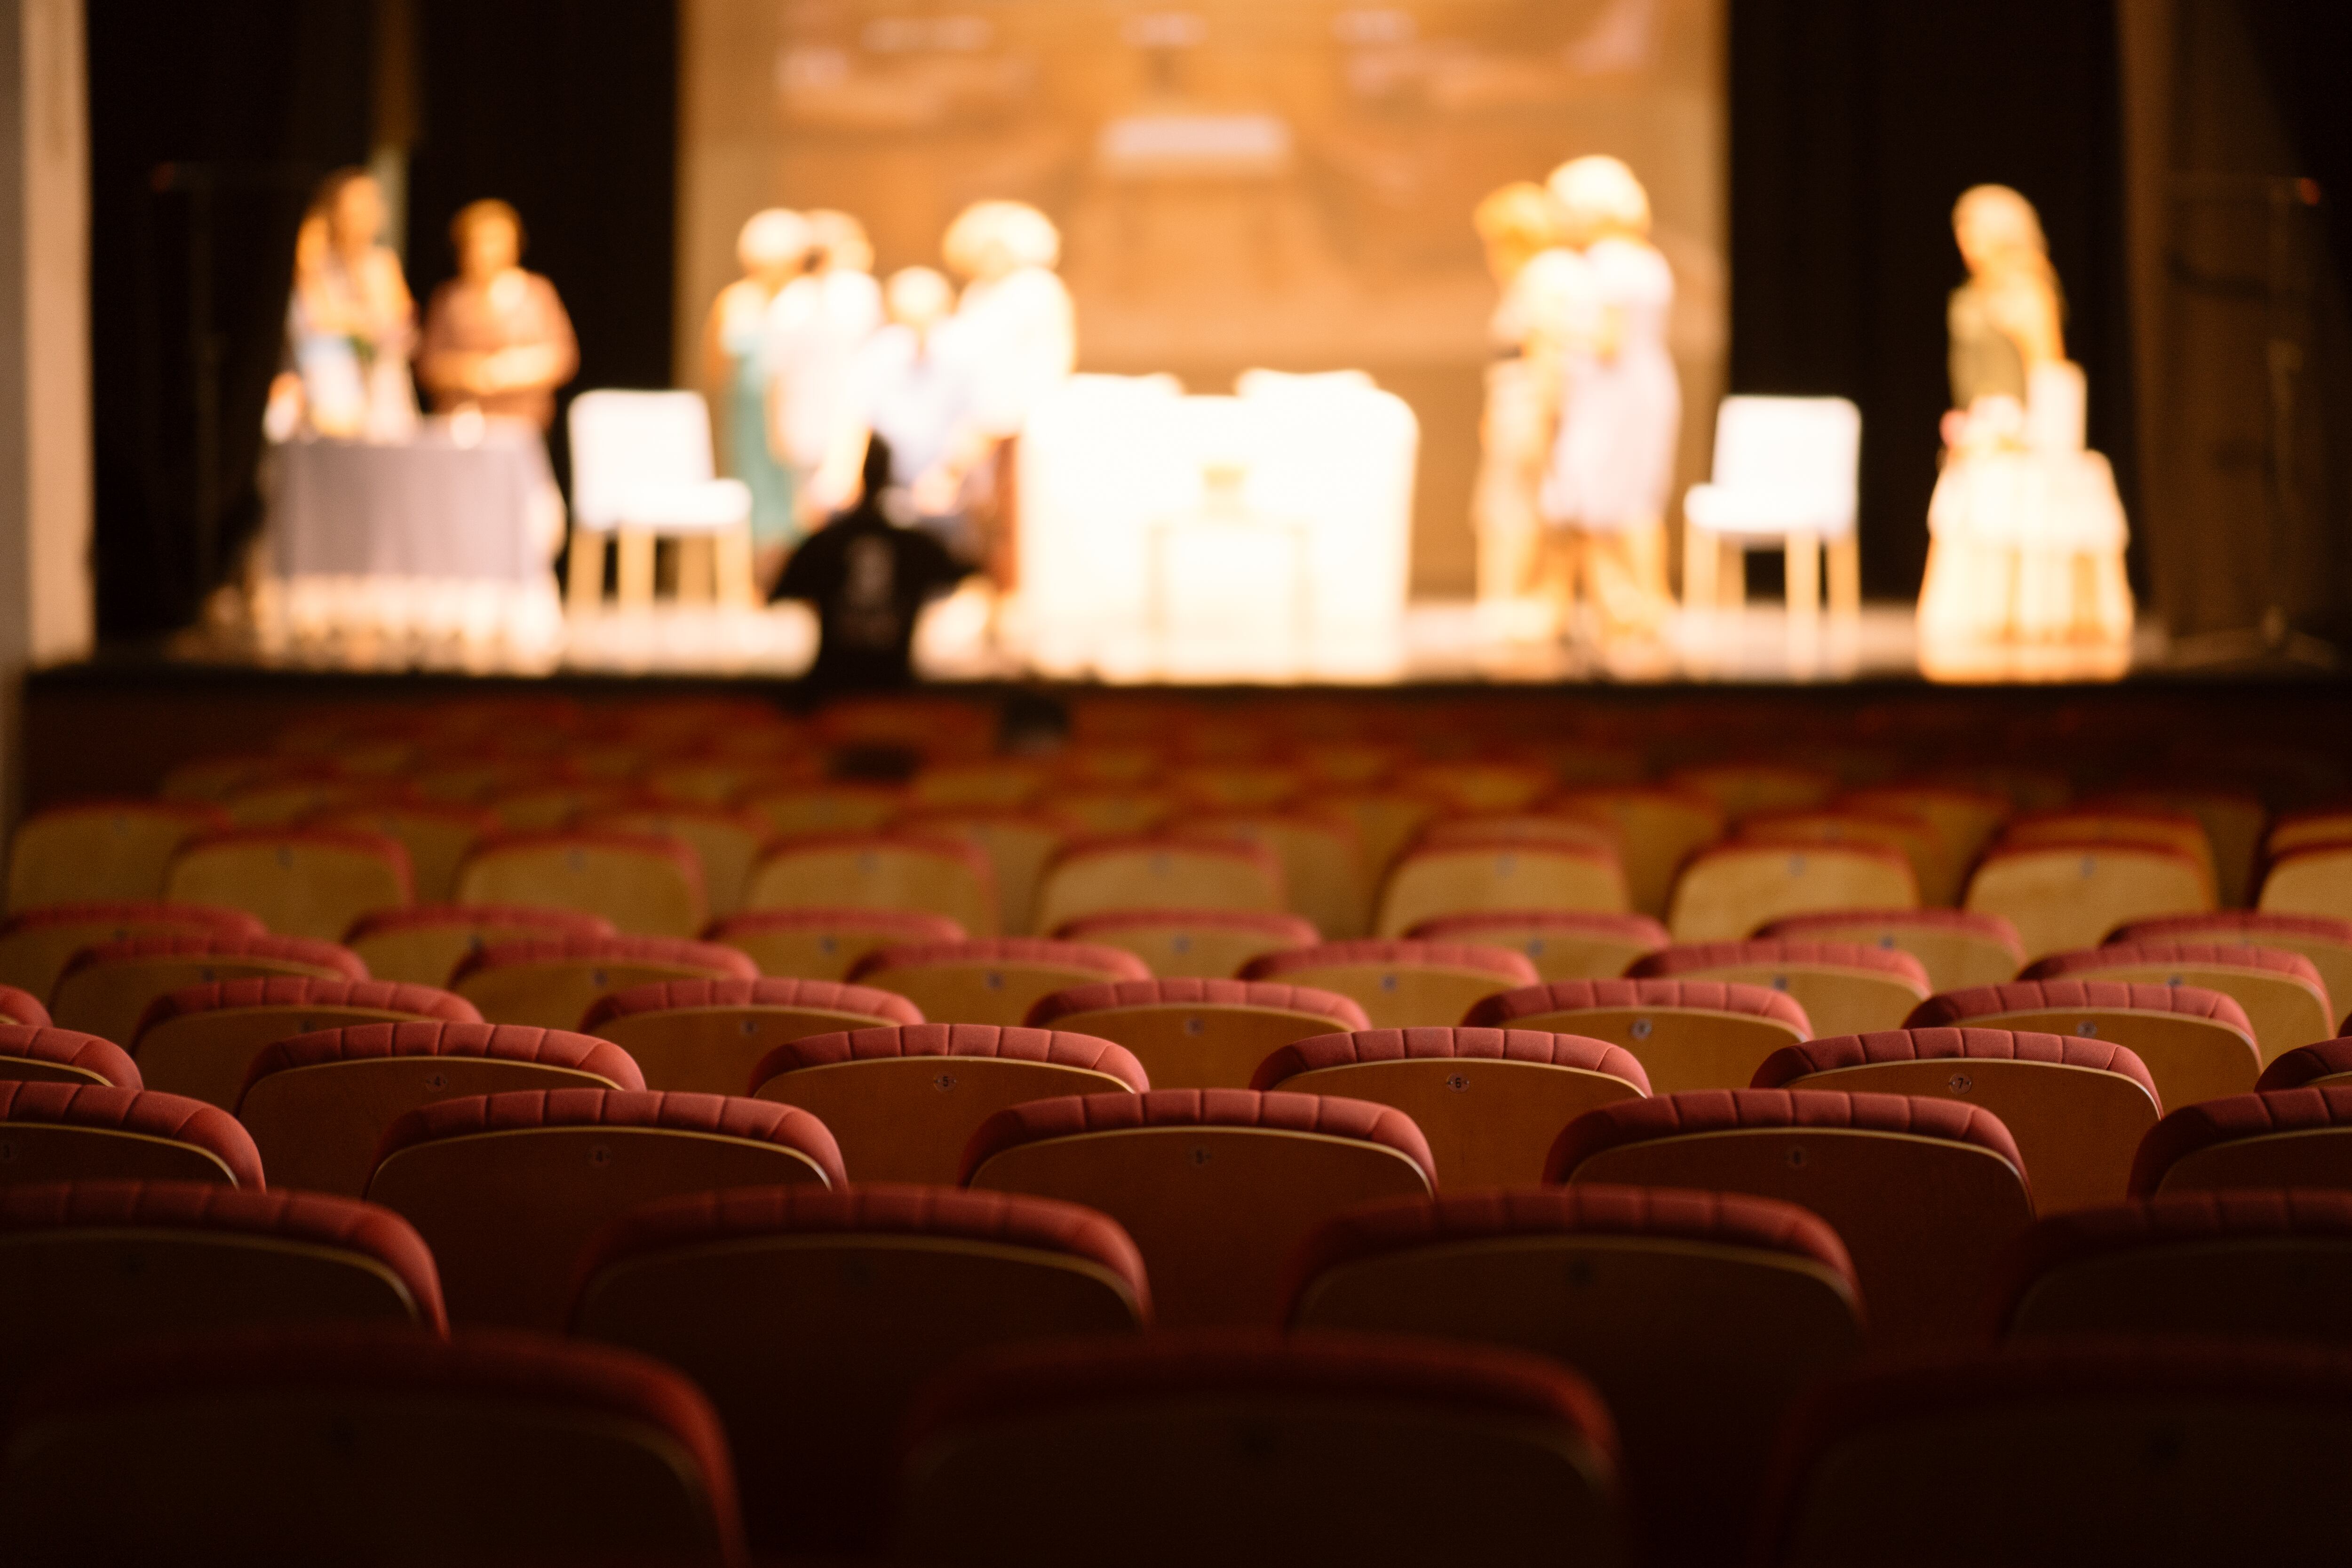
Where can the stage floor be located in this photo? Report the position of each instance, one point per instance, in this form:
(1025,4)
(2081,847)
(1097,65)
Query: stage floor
(963,640)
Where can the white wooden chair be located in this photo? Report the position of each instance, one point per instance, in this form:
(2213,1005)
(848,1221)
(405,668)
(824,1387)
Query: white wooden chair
(1786,472)
(642,469)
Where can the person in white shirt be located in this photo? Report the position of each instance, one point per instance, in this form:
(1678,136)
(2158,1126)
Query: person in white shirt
(815,326)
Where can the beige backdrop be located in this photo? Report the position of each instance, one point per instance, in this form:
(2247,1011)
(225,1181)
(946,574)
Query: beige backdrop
(1281,183)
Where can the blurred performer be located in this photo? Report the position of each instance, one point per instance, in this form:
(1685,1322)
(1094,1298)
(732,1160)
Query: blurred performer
(352,323)
(773,249)
(2026,532)
(1017,328)
(496,337)
(1520,225)
(915,392)
(1612,463)
(814,329)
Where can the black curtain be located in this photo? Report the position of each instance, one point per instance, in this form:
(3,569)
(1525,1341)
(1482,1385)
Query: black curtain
(1854,126)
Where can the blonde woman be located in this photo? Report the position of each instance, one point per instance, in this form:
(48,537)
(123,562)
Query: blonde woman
(1521,227)
(772,248)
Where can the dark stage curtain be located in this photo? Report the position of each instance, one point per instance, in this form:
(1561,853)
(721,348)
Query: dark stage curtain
(1854,126)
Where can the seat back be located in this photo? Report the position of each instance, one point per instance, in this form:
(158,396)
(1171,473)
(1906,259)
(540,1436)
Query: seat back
(1563,944)
(2175,830)
(1937,871)
(903,1100)
(2325,940)
(2285,1137)
(2320,1063)
(198,1042)
(1198,1034)
(424,943)
(368,1443)
(1196,944)
(82,1132)
(2310,881)
(1000,783)
(1924,1193)
(2076,1108)
(1094,875)
(805,811)
(93,1263)
(1306,1448)
(1958,948)
(2061,897)
(1401,985)
(1729,891)
(101,849)
(1489,1101)
(1700,1317)
(1745,788)
(1966,819)
(701,1282)
(945,877)
(1804,452)
(318,1105)
(437,836)
(2121,1450)
(2196,1044)
(1696,1034)
(2249,1263)
(35,1053)
(1216,1186)
(1323,871)
(1017,845)
(1471,786)
(2280,991)
(624,443)
(706,1035)
(1454,878)
(647,886)
(106,990)
(1844,988)
(297,881)
(507,1188)
(992,981)
(725,842)
(825,943)
(550,983)
(1657,830)
(35,945)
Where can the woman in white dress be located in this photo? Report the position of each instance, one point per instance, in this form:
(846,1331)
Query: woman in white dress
(1612,462)
(816,330)
(1519,225)
(2025,531)
(773,249)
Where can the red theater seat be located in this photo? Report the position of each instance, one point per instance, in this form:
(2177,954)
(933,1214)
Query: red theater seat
(318,1105)
(1958,948)
(69,1133)
(297,881)
(1401,985)
(425,943)
(1199,1034)
(2313,1066)
(100,849)
(1094,875)
(105,990)
(1687,1034)
(903,1100)
(1490,1102)
(2197,1043)
(198,1042)
(35,945)
(706,1035)
(2245,1263)
(2287,1138)
(1563,944)
(1244,1446)
(31,1054)
(993,979)
(2323,939)
(1924,1193)
(2281,993)
(2078,1108)
(1699,1316)
(359,1444)
(506,1188)
(1845,988)
(1206,945)
(825,944)
(552,982)
(95,1264)
(882,1288)
(1216,1186)
(646,884)
(2119,1450)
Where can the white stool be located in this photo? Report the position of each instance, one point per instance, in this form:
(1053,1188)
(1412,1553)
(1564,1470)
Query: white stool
(1786,473)
(641,469)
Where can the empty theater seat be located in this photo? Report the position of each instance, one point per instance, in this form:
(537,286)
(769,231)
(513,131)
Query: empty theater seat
(2248,1263)
(1433,881)
(1657,830)
(1203,944)
(2324,940)
(22,1008)
(2316,1065)
(931,874)
(825,943)
(1401,985)
(1018,844)
(1745,788)
(702,1282)
(199,1041)
(35,945)
(2077,1108)
(1687,1034)
(425,943)
(2314,879)
(1844,988)
(506,1188)
(2283,998)
(2285,1138)
(1698,1316)
(1323,872)
(95,1264)
(903,1101)
(725,842)
(318,1105)
(2119,1450)
(646,885)
(1924,1193)
(1727,891)
(1246,1446)
(297,881)
(80,1132)
(1199,1034)
(1093,876)
(33,1053)
(101,850)
(2065,896)
(992,980)
(2196,1044)
(1489,1101)
(1958,948)
(1216,1186)
(437,835)
(1912,837)
(106,990)
(1563,944)
(363,1444)
(707,1034)
(551,981)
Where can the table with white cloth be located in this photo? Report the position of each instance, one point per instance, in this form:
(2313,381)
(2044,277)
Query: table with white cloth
(449,533)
